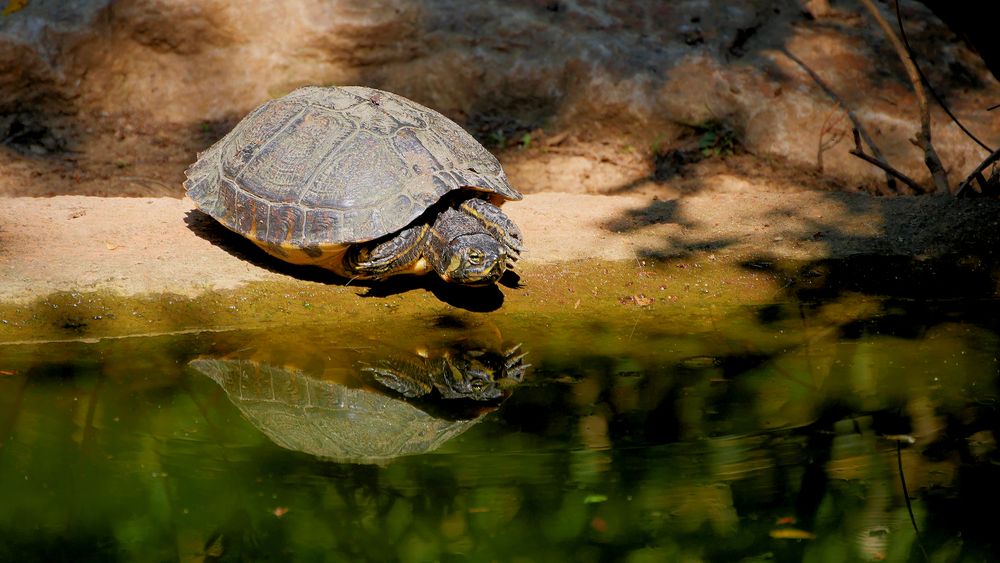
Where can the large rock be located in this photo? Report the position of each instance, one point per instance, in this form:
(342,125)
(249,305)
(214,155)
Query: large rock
(640,72)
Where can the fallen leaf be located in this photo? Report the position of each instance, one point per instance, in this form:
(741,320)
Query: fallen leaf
(639,300)
(792,534)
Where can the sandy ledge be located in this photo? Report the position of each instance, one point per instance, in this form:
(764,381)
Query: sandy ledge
(159,245)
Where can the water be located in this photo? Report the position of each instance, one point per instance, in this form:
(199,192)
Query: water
(758,433)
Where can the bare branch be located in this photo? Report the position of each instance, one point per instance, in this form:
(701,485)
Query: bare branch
(859,152)
(978,173)
(934,94)
(931,159)
(858,128)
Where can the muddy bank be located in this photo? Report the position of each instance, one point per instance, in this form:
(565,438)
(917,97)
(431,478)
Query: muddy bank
(67,261)
(143,245)
(115,98)
(645,135)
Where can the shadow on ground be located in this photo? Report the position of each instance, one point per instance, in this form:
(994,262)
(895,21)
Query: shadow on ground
(911,295)
(477,299)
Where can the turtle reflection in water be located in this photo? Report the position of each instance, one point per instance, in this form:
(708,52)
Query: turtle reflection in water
(390,407)
(459,373)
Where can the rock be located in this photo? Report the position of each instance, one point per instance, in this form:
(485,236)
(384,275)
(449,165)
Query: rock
(36,51)
(640,71)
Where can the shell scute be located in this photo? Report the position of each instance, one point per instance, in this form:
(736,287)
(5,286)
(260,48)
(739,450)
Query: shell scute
(358,178)
(251,215)
(227,203)
(287,162)
(243,143)
(321,224)
(285,223)
(411,147)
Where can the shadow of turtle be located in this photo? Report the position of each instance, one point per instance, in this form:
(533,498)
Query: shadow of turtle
(214,232)
(475,299)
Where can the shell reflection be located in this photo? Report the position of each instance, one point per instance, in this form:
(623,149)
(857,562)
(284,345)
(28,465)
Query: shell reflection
(370,405)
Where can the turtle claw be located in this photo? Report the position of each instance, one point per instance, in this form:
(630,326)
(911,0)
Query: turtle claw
(512,241)
(513,247)
(517,375)
(514,366)
(498,224)
(513,362)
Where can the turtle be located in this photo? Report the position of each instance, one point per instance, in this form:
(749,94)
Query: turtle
(362,182)
(458,371)
(421,400)
(329,420)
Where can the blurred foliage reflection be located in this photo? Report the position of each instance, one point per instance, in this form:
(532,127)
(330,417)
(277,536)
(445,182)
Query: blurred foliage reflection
(775,435)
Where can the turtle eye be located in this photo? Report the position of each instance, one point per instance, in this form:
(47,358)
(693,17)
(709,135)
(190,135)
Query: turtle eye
(475,258)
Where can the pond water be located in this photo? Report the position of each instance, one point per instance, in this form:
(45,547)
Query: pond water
(786,431)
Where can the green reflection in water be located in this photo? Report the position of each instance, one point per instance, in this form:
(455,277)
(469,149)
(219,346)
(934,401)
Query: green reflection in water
(771,435)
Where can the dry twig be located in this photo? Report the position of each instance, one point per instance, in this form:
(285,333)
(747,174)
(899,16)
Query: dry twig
(977,175)
(830,135)
(923,138)
(927,83)
(859,152)
(858,128)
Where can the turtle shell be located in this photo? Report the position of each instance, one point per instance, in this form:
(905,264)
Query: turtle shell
(327,419)
(325,167)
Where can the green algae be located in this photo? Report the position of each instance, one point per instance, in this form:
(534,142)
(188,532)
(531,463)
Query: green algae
(613,294)
(683,409)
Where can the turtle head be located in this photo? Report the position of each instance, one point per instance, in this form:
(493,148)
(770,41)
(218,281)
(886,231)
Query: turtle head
(472,375)
(472,259)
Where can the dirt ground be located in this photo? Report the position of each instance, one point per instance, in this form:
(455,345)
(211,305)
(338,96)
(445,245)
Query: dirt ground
(116,98)
(124,226)
(704,134)
(162,245)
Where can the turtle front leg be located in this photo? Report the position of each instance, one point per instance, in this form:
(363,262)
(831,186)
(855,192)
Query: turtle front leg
(498,224)
(407,377)
(401,254)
